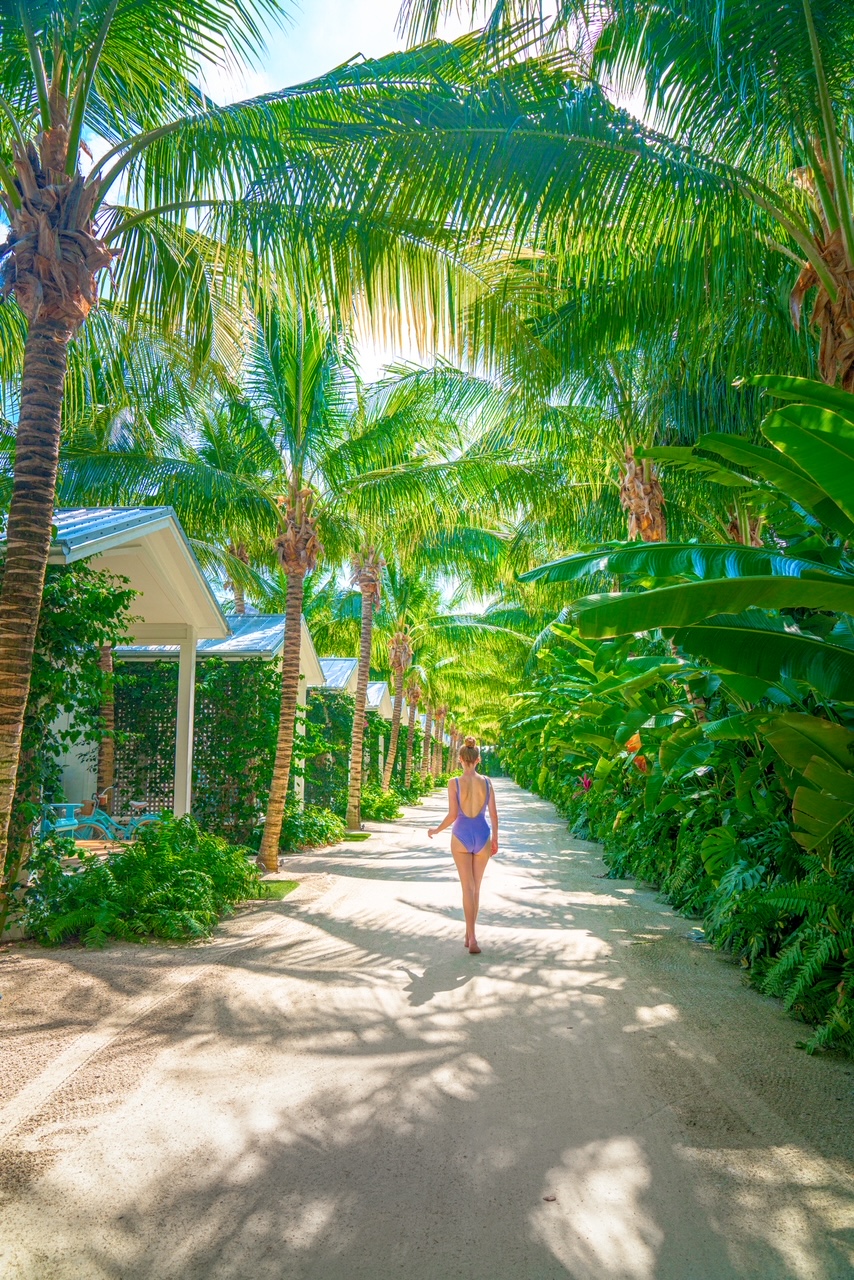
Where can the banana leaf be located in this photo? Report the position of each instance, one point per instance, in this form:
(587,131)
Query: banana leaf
(819,814)
(783,473)
(805,391)
(798,739)
(754,644)
(618,614)
(821,443)
(697,561)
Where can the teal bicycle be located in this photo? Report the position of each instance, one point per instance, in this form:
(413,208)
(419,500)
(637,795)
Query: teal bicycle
(100,825)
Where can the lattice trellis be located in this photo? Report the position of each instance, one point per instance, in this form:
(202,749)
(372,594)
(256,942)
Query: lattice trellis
(146,708)
(236,723)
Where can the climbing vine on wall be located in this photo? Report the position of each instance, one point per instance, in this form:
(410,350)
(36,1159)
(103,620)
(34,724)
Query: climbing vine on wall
(146,699)
(329,724)
(83,609)
(237,719)
(329,727)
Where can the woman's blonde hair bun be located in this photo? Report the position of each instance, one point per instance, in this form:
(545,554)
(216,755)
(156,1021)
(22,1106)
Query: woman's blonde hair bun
(471,742)
(469,753)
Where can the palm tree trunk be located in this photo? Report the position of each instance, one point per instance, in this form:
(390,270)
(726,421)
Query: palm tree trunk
(439,745)
(428,742)
(28,539)
(395,730)
(107,745)
(642,497)
(269,852)
(354,795)
(410,742)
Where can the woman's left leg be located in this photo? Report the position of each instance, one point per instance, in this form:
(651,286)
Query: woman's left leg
(465,871)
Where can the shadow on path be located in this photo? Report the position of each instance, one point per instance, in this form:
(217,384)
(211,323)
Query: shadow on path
(355,1096)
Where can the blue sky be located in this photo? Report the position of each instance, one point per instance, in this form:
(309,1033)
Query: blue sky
(321,35)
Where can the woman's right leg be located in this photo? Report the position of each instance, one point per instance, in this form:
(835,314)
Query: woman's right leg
(465,871)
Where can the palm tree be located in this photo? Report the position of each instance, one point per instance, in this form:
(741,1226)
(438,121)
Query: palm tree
(413,699)
(298,548)
(376,458)
(428,740)
(400,660)
(65,70)
(185,201)
(367,575)
(439,745)
(757,156)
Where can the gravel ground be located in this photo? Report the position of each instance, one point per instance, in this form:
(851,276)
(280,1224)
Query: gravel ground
(334,1088)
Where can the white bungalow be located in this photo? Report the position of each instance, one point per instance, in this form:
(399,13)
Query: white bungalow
(379,699)
(340,674)
(176,615)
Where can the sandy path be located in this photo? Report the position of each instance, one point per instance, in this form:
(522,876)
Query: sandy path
(336,1089)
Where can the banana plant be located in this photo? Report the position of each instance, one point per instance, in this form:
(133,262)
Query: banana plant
(773,620)
(724,602)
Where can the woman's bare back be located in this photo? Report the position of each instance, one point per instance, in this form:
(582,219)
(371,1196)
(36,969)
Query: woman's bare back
(473,793)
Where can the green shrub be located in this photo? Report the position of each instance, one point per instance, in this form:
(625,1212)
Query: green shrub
(175,881)
(379,805)
(412,794)
(310,828)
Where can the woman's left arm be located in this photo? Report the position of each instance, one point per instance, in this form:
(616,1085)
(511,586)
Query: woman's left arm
(493,821)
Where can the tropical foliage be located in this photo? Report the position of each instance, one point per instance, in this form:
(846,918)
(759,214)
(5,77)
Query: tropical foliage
(718,759)
(174,881)
(84,610)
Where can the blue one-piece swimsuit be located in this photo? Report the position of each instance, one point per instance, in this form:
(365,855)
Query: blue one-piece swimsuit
(472,833)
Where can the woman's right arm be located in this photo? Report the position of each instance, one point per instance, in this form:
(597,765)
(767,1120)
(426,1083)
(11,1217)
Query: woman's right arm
(451,816)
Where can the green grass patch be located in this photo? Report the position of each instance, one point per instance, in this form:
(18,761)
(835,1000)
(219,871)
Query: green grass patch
(358,835)
(277,888)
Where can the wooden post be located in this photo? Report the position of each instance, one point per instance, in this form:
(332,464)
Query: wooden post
(182,799)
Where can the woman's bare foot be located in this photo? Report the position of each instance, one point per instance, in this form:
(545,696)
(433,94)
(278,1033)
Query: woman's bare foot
(474,949)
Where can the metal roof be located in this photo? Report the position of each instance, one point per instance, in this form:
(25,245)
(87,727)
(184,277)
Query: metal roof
(377,689)
(253,636)
(148,546)
(338,672)
(79,527)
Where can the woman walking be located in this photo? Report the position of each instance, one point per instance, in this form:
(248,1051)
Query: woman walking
(473,839)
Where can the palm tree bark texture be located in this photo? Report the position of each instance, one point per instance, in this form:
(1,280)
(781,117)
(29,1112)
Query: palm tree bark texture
(642,497)
(454,748)
(428,741)
(50,262)
(833,316)
(400,659)
(439,746)
(298,549)
(413,698)
(368,567)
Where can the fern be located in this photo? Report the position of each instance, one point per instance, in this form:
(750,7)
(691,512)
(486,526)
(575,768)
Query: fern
(810,899)
(175,882)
